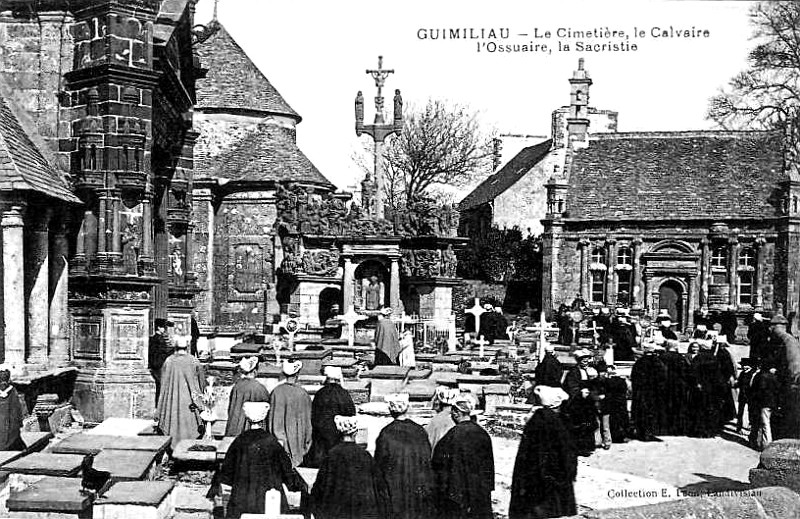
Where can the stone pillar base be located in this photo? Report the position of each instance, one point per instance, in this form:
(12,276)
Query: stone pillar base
(101,394)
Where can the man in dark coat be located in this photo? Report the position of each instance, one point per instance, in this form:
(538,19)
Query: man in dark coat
(246,389)
(403,455)
(649,381)
(387,341)
(463,467)
(330,401)
(743,388)
(758,336)
(549,371)
(159,348)
(581,412)
(349,483)
(255,463)
(665,328)
(616,403)
(678,384)
(10,415)
(786,358)
(728,370)
(707,393)
(729,324)
(624,338)
(764,392)
(547,463)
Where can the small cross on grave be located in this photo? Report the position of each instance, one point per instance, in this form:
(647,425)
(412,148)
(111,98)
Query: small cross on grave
(477,311)
(595,333)
(481,342)
(542,328)
(291,326)
(512,332)
(350,319)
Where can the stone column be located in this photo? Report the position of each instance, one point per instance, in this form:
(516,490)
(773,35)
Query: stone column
(147,233)
(611,276)
(636,276)
(59,313)
(584,245)
(690,306)
(347,285)
(733,265)
(102,225)
(38,305)
(704,272)
(189,276)
(758,278)
(646,297)
(116,222)
(13,286)
(394,287)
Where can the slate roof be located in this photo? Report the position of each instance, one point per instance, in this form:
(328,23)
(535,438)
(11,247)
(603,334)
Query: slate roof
(266,155)
(507,176)
(691,175)
(233,80)
(22,165)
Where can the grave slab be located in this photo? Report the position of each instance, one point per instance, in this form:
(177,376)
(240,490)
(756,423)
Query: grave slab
(387,372)
(494,395)
(83,443)
(52,495)
(128,465)
(223,446)
(183,452)
(383,387)
(420,390)
(123,427)
(136,499)
(446,378)
(46,464)
(35,441)
(359,390)
(9,456)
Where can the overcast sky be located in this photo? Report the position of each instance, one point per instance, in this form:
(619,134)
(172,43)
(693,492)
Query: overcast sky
(315,52)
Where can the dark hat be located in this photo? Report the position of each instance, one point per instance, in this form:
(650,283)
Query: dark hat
(778,319)
(163,323)
(746,361)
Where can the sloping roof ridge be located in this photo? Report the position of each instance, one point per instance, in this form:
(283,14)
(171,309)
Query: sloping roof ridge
(525,159)
(680,134)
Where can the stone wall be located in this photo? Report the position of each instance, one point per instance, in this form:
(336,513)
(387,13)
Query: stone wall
(34,54)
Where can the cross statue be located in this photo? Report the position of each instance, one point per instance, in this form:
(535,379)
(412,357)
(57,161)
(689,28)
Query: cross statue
(542,328)
(481,342)
(595,334)
(291,326)
(512,331)
(350,319)
(477,311)
(276,346)
(380,75)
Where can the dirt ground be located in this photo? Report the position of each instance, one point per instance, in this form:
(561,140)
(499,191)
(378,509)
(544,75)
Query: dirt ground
(638,473)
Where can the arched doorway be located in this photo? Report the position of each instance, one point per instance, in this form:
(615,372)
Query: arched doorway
(327,299)
(670,297)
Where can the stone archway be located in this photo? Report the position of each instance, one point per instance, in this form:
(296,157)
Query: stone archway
(670,297)
(327,299)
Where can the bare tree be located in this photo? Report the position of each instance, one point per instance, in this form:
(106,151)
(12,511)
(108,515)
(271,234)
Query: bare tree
(439,145)
(767,94)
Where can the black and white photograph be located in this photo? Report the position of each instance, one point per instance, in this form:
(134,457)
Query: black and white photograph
(264,259)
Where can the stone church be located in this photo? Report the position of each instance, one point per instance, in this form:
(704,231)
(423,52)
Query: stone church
(652,220)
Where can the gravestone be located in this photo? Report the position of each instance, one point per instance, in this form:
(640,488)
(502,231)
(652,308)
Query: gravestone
(35,441)
(59,498)
(46,464)
(83,443)
(136,499)
(128,465)
(494,395)
(187,450)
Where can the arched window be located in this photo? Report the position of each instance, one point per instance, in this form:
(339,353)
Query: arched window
(624,256)
(598,255)
(719,265)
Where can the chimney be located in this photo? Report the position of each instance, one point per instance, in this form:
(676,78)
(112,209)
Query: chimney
(578,119)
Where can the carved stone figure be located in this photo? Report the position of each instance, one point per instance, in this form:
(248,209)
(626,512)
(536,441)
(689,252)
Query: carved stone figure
(130,248)
(449,262)
(373,293)
(359,108)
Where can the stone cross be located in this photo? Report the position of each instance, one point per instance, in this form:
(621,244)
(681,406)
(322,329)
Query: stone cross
(595,335)
(379,76)
(291,328)
(543,327)
(477,311)
(350,319)
(481,342)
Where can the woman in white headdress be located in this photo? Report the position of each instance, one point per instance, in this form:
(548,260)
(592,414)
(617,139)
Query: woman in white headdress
(254,464)
(246,389)
(290,419)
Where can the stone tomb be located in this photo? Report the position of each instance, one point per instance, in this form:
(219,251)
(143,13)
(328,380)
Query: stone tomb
(53,498)
(392,379)
(84,443)
(128,465)
(46,464)
(136,499)
(494,395)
